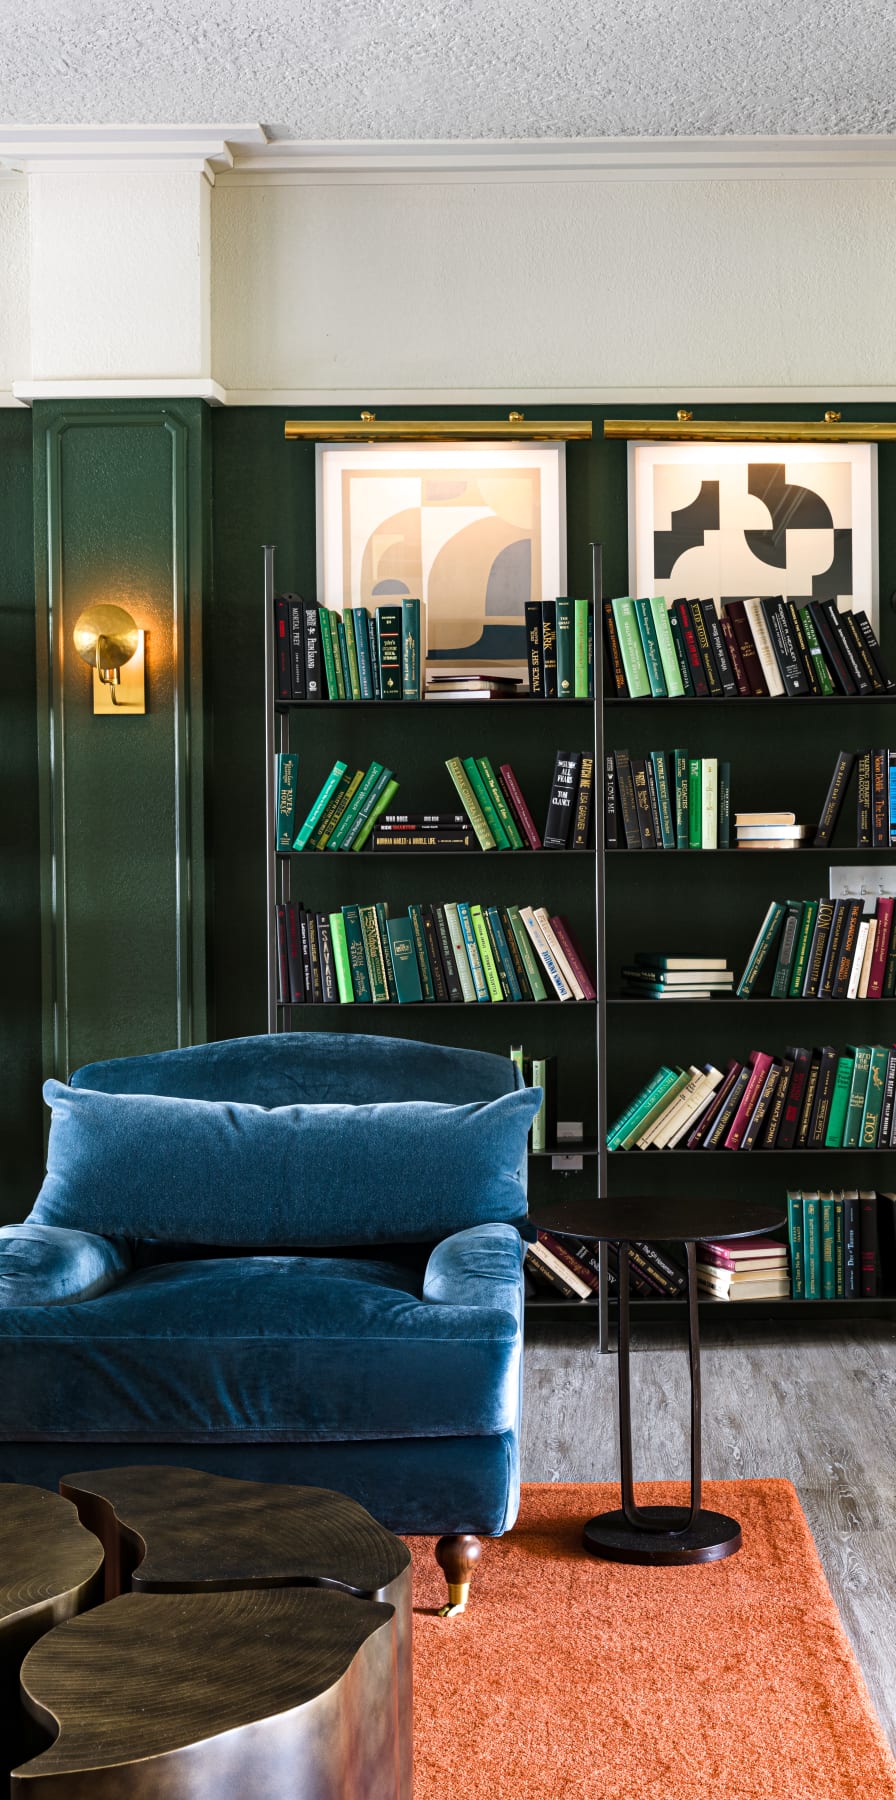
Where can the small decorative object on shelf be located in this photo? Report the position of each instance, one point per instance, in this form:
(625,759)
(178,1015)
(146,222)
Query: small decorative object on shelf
(823,950)
(666,800)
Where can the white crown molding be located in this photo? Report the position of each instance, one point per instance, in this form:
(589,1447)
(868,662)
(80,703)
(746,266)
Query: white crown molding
(171,388)
(556,159)
(23,393)
(97,149)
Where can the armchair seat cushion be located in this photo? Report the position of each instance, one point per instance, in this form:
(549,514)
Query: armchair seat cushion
(268,1349)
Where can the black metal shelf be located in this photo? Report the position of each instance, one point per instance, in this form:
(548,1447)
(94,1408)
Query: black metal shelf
(345,856)
(750,700)
(571,1147)
(865,851)
(446,705)
(856,1150)
(753,1000)
(433,1005)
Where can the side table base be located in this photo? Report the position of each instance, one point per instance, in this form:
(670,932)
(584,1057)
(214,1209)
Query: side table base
(711,1536)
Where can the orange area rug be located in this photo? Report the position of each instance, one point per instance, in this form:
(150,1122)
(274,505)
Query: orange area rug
(569,1677)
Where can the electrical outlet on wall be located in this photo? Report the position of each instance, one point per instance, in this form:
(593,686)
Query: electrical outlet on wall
(853,881)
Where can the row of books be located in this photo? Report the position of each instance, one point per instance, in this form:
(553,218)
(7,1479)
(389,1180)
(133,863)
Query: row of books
(570,1267)
(835,1237)
(804,1099)
(823,950)
(322,654)
(654,976)
(747,648)
(560,648)
(454,951)
(875,798)
(344,812)
(498,813)
(666,800)
(540,1072)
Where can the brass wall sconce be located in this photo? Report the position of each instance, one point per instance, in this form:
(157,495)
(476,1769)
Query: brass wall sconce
(109,641)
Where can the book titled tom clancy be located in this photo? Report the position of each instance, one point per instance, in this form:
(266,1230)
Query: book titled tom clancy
(561,807)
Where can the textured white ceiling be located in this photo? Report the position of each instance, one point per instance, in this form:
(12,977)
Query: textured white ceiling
(392,69)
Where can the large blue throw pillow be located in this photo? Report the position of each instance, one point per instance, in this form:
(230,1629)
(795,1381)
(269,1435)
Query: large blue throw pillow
(214,1172)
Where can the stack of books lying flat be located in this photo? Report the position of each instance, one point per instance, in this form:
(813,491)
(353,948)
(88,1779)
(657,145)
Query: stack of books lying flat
(753,1268)
(656,977)
(474,687)
(770,831)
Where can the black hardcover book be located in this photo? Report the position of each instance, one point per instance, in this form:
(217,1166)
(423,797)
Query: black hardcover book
(874,649)
(549,649)
(719,647)
(808,1101)
(611,804)
(866,661)
(776,1111)
(831,648)
(845,645)
(545,1274)
(688,636)
(760,1111)
(446,951)
(423,839)
(614,653)
(646,826)
(710,670)
(803,651)
(657,1268)
(847,951)
(433,951)
(305,952)
(851,1250)
(869,1239)
(864,838)
(684,668)
(818,949)
(584,802)
(388,633)
(497,957)
(654,801)
(533,645)
(295,607)
(793,1104)
(294,952)
(317,992)
(885,1133)
(824,1093)
(786,654)
(832,953)
(284,994)
(374,658)
(513,949)
(282,650)
(628,806)
(880,799)
(836,794)
(561,806)
(718,1131)
(314,669)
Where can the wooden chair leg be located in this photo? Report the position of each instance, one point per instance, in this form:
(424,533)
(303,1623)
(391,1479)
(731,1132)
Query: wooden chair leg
(457,1556)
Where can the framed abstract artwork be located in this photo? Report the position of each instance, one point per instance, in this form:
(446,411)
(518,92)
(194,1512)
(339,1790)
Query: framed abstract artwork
(740,521)
(473,531)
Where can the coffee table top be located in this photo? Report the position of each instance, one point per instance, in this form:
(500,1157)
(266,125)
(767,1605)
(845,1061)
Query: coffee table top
(48,1562)
(658,1218)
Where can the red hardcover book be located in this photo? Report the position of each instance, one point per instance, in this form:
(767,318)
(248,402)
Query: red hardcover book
(760,1064)
(881,946)
(802,1062)
(708,1118)
(739,1253)
(692,649)
(737,661)
(573,957)
(518,805)
(740,625)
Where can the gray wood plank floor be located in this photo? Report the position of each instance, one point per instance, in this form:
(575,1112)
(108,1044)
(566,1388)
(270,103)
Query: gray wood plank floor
(818,1409)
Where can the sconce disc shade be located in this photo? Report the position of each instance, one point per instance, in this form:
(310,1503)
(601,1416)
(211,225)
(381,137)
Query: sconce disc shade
(106,637)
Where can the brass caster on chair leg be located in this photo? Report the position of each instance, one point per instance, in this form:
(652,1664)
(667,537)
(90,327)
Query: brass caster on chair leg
(457,1556)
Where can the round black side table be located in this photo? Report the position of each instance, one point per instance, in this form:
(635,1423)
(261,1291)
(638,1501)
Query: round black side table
(659,1534)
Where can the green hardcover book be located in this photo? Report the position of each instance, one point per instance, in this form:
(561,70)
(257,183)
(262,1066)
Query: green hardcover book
(839,1248)
(459,947)
(811,1247)
(566,671)
(874,1097)
(630,648)
(486,805)
(668,657)
(361,794)
(664,798)
(342,641)
(410,649)
(519,1061)
(332,626)
(591,650)
(286,776)
(801,954)
(527,955)
(473,957)
(320,804)
(470,803)
(341,799)
(855,1109)
(378,804)
(822,672)
(795,1240)
(485,954)
(695,803)
(426,982)
(496,795)
(786,948)
(373,950)
(827,1243)
(539,1123)
(833,1136)
(501,949)
(341,958)
(660,1081)
(651,648)
(346,629)
(357,960)
(497,958)
(404,960)
(580,648)
(382,921)
(724,806)
(682,800)
(647,1116)
(388,637)
(761,950)
(326,644)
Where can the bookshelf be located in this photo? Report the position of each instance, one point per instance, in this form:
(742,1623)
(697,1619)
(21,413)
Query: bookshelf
(414,738)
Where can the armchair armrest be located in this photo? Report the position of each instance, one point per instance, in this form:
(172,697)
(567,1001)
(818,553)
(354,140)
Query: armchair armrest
(481,1267)
(50,1265)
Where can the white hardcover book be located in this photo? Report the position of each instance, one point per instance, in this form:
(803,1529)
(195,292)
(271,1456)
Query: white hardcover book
(764,651)
(709,797)
(542,918)
(544,952)
(865,975)
(711,1080)
(858,959)
(459,946)
(684,1109)
(645,1140)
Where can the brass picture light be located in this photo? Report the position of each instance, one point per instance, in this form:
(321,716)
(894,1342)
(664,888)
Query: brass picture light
(108,640)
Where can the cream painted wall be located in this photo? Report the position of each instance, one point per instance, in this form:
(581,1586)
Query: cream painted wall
(15,344)
(522,287)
